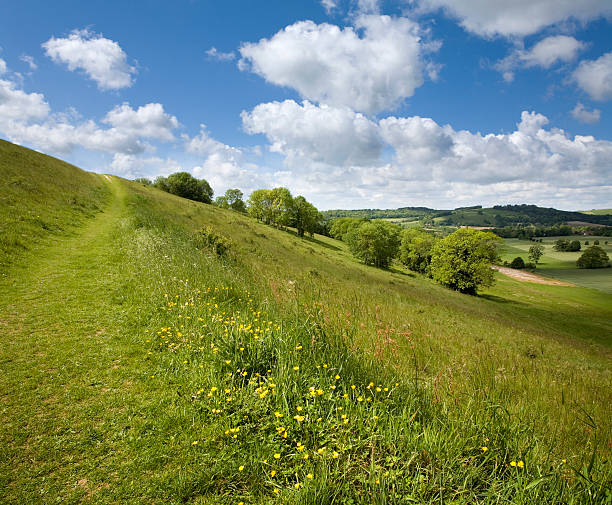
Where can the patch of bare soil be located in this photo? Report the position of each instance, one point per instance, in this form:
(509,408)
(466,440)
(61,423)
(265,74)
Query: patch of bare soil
(521,275)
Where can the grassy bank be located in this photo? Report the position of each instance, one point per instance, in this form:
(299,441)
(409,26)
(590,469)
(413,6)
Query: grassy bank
(140,367)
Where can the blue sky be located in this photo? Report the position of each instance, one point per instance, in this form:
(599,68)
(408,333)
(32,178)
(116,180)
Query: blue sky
(352,104)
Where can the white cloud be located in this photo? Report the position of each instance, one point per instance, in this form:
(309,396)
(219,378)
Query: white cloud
(2,66)
(585,116)
(131,166)
(544,54)
(595,77)
(329,5)
(220,56)
(148,121)
(29,60)
(322,134)
(368,6)
(17,105)
(327,161)
(369,71)
(100,58)
(27,118)
(516,17)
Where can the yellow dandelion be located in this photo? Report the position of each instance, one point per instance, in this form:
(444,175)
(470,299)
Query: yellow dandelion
(296,368)
(520,464)
(272,473)
(484,449)
(240,468)
(195,442)
(310,476)
(277,456)
(512,463)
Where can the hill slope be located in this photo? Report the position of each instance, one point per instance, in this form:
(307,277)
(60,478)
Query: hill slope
(140,367)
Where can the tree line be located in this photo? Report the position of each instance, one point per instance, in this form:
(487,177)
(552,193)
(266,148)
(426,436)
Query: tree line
(276,207)
(461,261)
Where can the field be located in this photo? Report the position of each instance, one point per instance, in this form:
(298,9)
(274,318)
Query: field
(562,265)
(141,367)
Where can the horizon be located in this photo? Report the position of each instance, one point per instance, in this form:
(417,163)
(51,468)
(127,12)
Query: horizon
(354,104)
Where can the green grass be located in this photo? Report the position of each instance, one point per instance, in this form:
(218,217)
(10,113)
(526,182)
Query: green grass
(562,265)
(115,334)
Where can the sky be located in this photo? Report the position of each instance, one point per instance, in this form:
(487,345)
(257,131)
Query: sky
(350,103)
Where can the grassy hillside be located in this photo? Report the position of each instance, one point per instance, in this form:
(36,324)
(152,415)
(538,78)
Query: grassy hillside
(498,216)
(140,367)
(41,196)
(562,265)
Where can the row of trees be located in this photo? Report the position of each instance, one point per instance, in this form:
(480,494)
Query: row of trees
(279,208)
(276,206)
(461,261)
(564,245)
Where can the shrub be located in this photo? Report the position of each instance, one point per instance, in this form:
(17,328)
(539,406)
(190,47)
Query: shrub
(215,243)
(517,263)
(375,243)
(593,257)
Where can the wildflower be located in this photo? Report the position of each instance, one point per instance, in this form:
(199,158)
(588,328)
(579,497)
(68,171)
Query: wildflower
(277,456)
(335,455)
(299,409)
(353,386)
(296,368)
(297,485)
(309,476)
(299,419)
(272,473)
(359,398)
(195,442)
(484,449)
(512,463)
(240,468)
(306,456)
(337,377)
(278,414)
(520,464)
(564,461)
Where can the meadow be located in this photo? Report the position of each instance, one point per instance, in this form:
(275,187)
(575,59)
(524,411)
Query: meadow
(562,265)
(139,366)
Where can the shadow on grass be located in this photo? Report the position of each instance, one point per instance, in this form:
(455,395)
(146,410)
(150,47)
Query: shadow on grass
(314,241)
(500,299)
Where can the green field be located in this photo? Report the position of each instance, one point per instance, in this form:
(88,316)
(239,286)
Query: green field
(140,367)
(562,265)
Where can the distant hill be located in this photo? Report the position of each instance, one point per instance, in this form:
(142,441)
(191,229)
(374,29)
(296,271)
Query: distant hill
(497,216)
(598,212)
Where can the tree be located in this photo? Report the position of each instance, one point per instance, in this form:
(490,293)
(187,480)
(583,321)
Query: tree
(260,203)
(144,181)
(375,243)
(574,246)
(517,263)
(462,260)
(415,249)
(231,200)
(281,205)
(341,226)
(535,253)
(593,257)
(187,186)
(305,216)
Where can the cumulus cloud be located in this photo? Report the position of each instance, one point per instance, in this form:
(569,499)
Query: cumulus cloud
(17,105)
(585,116)
(2,66)
(517,17)
(324,134)
(214,54)
(546,53)
(370,67)
(595,77)
(27,118)
(132,166)
(414,160)
(102,59)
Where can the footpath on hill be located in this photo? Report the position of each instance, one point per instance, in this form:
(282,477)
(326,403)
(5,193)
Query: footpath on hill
(69,375)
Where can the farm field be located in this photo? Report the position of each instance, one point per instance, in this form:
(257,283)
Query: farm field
(562,265)
(141,367)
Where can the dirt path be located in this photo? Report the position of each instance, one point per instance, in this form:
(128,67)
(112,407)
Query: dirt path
(521,275)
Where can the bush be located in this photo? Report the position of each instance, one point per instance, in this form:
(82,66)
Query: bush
(517,263)
(415,249)
(215,243)
(593,257)
(595,242)
(187,186)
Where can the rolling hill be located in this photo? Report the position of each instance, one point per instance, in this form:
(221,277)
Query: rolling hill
(140,366)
